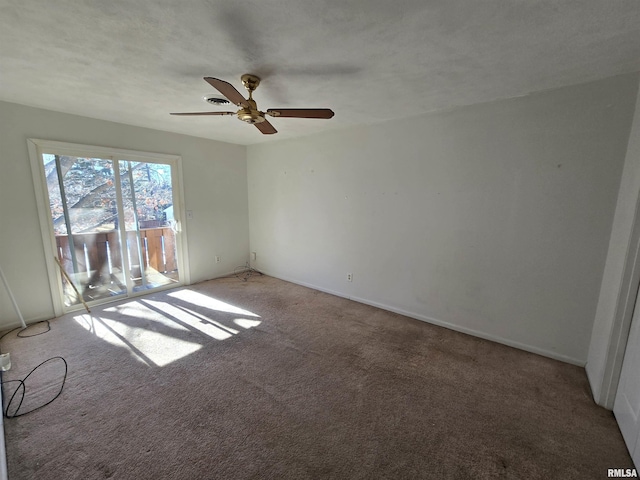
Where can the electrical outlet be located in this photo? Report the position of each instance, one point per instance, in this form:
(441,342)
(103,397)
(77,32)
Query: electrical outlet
(349,277)
(253,256)
(217,258)
(190,214)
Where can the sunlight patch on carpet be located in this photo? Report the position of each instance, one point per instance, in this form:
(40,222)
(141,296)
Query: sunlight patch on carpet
(201,300)
(159,332)
(246,323)
(149,346)
(195,320)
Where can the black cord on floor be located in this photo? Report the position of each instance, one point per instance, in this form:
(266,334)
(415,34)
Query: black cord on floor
(24,329)
(24,390)
(22,383)
(35,334)
(245,272)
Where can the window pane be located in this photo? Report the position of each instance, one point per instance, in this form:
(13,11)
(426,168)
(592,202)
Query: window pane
(147,195)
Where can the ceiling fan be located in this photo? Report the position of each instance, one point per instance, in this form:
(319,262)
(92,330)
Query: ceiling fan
(248,109)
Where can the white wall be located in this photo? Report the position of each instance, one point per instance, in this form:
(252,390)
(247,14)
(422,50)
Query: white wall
(215,187)
(492,219)
(619,283)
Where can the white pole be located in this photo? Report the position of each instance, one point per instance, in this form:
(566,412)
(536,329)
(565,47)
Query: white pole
(13,300)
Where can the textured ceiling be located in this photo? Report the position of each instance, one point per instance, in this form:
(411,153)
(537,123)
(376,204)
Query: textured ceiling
(134,61)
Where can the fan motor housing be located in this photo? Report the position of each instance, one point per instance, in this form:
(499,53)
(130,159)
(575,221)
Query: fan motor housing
(250,113)
(250,116)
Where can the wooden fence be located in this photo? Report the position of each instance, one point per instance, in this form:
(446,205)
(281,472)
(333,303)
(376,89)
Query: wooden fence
(157,245)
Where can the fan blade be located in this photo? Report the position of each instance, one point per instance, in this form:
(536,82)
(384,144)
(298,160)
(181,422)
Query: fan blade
(325,113)
(228,90)
(204,113)
(265,127)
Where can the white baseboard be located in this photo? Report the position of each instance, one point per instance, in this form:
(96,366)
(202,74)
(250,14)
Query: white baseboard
(440,323)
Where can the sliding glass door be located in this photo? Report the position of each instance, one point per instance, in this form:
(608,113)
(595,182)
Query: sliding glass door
(148,221)
(83,203)
(114,224)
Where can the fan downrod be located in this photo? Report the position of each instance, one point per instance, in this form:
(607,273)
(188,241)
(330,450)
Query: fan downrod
(250,114)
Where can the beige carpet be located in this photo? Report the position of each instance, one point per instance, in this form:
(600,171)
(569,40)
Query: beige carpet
(268,380)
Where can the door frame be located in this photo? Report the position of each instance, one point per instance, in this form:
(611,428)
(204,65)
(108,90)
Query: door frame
(36,148)
(623,314)
(628,423)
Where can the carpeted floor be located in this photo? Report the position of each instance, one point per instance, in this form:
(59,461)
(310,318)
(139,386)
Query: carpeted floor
(269,380)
